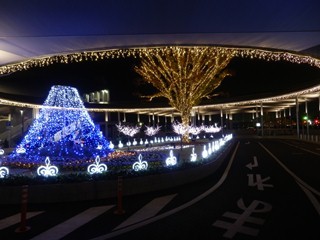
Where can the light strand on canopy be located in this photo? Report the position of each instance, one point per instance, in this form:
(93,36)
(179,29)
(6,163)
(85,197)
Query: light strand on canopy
(67,58)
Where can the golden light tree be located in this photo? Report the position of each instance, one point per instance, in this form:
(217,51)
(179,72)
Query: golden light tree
(184,75)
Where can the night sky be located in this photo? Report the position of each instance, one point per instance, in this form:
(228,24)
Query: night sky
(250,78)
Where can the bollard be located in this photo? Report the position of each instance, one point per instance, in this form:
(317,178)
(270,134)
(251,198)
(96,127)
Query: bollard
(23,217)
(119,209)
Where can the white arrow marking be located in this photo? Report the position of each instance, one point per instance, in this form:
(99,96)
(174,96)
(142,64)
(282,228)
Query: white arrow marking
(63,229)
(14,219)
(254,164)
(148,211)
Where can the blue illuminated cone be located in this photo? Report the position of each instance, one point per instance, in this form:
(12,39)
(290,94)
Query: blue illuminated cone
(64,131)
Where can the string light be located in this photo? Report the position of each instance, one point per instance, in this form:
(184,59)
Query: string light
(4,172)
(211,129)
(193,156)
(140,165)
(128,130)
(180,128)
(184,76)
(62,134)
(151,131)
(171,160)
(48,169)
(205,152)
(97,167)
(67,58)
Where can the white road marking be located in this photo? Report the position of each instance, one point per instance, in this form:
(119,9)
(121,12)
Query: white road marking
(259,182)
(63,229)
(299,181)
(237,226)
(175,210)
(312,199)
(14,219)
(149,210)
(254,164)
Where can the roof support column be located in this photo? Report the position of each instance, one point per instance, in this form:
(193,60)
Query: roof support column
(261,113)
(221,118)
(306,110)
(297,117)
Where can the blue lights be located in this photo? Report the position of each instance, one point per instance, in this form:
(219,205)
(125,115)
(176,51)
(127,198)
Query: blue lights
(64,131)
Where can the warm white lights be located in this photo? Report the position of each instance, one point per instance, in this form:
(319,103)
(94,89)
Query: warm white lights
(67,58)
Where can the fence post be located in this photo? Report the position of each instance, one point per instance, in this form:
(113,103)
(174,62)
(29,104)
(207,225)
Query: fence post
(119,209)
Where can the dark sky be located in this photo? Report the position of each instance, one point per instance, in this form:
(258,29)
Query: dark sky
(250,77)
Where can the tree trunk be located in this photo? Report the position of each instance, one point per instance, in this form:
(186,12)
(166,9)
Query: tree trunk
(185,123)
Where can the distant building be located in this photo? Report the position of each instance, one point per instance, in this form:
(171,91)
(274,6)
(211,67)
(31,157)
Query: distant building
(101,96)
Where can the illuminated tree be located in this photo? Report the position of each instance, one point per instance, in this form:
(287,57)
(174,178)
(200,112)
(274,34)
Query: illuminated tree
(64,131)
(128,130)
(151,131)
(184,76)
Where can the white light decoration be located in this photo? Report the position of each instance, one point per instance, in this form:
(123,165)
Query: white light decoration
(205,152)
(128,130)
(151,131)
(134,143)
(171,160)
(194,130)
(120,145)
(99,147)
(146,142)
(20,150)
(216,145)
(193,156)
(209,149)
(179,128)
(4,172)
(211,129)
(47,170)
(1,151)
(140,165)
(128,143)
(141,142)
(111,145)
(97,167)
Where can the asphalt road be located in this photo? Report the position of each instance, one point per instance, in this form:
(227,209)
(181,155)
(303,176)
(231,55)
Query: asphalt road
(265,189)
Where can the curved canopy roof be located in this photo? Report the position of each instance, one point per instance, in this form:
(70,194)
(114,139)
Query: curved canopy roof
(36,28)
